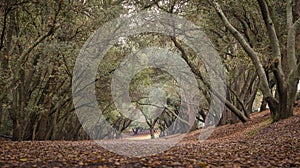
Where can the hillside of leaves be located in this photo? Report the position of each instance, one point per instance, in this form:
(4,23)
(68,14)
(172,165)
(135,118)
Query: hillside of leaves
(258,143)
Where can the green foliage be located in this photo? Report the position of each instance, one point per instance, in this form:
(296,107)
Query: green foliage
(37,80)
(251,133)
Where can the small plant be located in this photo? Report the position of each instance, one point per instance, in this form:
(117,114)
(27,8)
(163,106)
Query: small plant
(251,133)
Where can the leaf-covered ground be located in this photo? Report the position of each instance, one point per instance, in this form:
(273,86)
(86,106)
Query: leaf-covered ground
(257,143)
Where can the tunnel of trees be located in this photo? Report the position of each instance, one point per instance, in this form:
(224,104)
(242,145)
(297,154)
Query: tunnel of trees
(257,41)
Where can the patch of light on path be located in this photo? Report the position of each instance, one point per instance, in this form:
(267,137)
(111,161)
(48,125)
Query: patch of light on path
(142,137)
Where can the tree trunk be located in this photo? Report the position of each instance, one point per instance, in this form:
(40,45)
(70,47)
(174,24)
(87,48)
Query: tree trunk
(1,113)
(194,127)
(16,130)
(263,105)
(135,130)
(286,102)
(152,133)
(4,57)
(76,132)
(13,113)
(283,108)
(54,125)
(42,131)
(18,107)
(287,75)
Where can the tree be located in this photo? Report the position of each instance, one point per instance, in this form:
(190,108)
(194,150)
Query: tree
(39,43)
(286,75)
(241,76)
(237,107)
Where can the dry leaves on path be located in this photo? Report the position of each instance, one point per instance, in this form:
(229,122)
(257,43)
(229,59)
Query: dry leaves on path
(257,143)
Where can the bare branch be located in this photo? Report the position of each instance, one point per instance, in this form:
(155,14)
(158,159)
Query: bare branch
(289,13)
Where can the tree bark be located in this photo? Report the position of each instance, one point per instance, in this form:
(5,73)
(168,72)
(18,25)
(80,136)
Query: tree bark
(42,131)
(287,98)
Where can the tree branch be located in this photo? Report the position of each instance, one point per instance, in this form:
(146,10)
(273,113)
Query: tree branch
(296,25)
(30,48)
(51,30)
(291,49)
(194,69)
(274,42)
(289,13)
(250,51)
(4,28)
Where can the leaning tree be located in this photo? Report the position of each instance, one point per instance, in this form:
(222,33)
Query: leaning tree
(284,66)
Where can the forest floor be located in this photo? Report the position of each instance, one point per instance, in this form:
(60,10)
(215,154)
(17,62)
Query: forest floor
(258,143)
